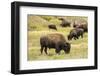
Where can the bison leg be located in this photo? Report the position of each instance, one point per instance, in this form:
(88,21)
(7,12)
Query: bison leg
(42,49)
(57,50)
(45,50)
(81,35)
(75,38)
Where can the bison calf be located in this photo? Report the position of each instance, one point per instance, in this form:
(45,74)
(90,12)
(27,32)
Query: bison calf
(56,41)
(75,33)
(52,27)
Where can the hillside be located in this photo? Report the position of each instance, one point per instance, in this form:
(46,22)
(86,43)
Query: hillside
(37,23)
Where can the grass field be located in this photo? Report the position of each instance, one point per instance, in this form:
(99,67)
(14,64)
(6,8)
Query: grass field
(79,48)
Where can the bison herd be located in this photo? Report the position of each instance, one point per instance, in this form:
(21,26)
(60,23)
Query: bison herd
(58,41)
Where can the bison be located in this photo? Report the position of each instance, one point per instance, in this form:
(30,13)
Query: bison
(75,33)
(56,41)
(52,27)
(83,26)
(64,23)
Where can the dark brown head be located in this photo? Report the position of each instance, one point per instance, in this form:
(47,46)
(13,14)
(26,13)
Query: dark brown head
(69,37)
(67,47)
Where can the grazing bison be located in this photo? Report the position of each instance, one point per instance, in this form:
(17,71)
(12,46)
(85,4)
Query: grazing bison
(84,26)
(75,33)
(52,27)
(64,23)
(56,41)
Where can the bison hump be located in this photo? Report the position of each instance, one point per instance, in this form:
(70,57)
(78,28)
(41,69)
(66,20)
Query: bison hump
(56,37)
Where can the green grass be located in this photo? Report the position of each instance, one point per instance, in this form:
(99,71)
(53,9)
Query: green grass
(79,47)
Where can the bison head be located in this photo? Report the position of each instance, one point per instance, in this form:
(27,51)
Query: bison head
(69,37)
(66,47)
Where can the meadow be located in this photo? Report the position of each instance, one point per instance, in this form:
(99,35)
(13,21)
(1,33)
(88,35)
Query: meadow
(38,26)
